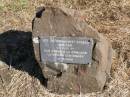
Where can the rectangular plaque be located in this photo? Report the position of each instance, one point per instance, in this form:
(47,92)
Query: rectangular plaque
(74,50)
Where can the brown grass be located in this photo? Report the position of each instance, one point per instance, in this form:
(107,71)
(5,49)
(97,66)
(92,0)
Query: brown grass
(109,17)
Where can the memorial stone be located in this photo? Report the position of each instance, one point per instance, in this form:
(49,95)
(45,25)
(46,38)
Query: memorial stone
(85,72)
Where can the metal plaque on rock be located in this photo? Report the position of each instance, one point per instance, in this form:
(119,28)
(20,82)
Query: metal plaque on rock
(74,50)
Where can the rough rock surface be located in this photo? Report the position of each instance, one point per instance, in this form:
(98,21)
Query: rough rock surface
(51,21)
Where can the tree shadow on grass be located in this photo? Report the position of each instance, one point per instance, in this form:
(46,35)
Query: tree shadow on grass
(16,49)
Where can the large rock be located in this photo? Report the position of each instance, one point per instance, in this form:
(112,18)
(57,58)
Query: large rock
(51,21)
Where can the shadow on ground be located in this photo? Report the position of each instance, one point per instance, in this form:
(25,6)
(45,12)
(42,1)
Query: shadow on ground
(16,49)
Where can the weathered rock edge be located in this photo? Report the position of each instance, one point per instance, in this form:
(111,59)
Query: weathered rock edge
(52,21)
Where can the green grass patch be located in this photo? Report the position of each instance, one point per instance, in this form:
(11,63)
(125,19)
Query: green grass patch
(14,5)
(1,5)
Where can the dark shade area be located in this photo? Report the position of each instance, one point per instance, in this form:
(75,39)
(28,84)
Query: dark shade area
(39,12)
(16,49)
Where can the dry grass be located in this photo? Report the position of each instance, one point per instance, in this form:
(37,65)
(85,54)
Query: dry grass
(109,17)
